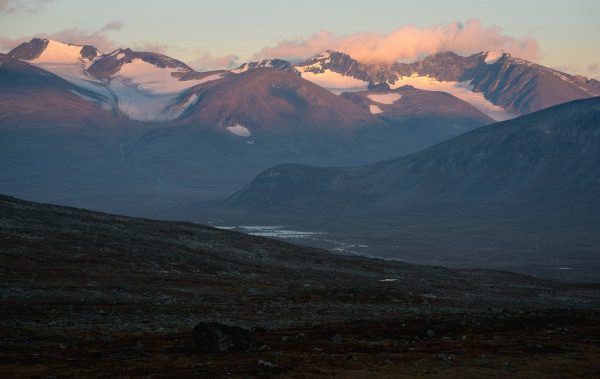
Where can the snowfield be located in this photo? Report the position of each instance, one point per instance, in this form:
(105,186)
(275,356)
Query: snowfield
(140,90)
(462,90)
(375,109)
(385,98)
(334,82)
(239,130)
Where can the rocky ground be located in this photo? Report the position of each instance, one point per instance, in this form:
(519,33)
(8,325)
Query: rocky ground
(86,294)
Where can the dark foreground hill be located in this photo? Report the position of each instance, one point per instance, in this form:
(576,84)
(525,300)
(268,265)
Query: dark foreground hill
(81,291)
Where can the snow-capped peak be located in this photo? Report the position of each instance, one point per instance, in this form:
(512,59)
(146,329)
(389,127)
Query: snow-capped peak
(60,52)
(272,63)
(492,57)
(252,65)
(45,51)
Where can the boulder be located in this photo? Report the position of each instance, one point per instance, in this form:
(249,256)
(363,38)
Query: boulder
(214,337)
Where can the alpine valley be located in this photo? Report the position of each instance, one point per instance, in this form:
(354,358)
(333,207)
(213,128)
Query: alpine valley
(443,208)
(479,161)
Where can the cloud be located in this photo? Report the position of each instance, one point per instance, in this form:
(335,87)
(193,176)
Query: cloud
(113,25)
(568,68)
(591,71)
(31,6)
(407,43)
(94,37)
(208,62)
(154,47)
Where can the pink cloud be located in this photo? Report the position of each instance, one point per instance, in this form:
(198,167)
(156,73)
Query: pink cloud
(407,43)
(208,62)
(568,68)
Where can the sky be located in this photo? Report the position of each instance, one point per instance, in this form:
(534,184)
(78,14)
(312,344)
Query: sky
(223,33)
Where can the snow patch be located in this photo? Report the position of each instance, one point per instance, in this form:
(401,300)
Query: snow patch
(58,52)
(243,68)
(333,81)
(239,130)
(492,57)
(246,66)
(65,61)
(462,90)
(150,78)
(145,91)
(141,90)
(375,109)
(385,98)
(178,109)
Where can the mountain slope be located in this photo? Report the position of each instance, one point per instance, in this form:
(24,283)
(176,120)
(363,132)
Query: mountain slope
(552,155)
(272,100)
(78,285)
(440,111)
(521,195)
(31,96)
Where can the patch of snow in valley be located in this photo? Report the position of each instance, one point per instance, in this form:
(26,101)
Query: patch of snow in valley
(239,130)
(273,231)
(177,110)
(384,98)
(375,109)
(462,90)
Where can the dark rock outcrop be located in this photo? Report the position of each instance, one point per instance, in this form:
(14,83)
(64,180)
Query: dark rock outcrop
(214,337)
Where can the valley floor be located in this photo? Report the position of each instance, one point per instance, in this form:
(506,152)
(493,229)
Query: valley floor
(86,294)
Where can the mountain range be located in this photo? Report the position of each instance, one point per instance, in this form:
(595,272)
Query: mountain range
(126,130)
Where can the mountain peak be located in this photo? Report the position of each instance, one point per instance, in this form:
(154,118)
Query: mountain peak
(493,56)
(271,63)
(110,64)
(52,51)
